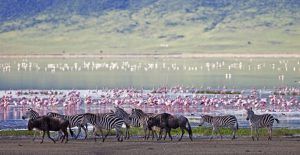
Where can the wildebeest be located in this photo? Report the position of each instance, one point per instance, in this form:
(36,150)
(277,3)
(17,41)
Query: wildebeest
(46,124)
(167,122)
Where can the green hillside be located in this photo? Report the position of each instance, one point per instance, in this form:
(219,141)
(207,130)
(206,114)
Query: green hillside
(160,27)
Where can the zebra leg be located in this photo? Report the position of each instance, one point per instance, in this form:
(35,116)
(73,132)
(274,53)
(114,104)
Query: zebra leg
(252,133)
(257,133)
(43,137)
(119,134)
(212,133)
(270,133)
(220,133)
(95,133)
(127,134)
(85,131)
(34,135)
(79,131)
(234,132)
(48,134)
(103,138)
(145,133)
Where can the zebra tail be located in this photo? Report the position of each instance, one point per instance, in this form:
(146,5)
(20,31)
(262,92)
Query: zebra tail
(276,120)
(237,125)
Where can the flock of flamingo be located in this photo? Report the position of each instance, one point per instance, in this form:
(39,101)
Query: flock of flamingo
(165,99)
(280,66)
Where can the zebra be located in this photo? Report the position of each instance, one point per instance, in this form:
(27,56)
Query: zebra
(260,121)
(140,119)
(129,121)
(32,115)
(74,120)
(229,121)
(105,121)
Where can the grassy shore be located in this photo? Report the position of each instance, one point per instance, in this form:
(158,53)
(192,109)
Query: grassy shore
(199,131)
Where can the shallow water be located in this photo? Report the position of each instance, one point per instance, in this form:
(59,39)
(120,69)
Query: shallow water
(10,118)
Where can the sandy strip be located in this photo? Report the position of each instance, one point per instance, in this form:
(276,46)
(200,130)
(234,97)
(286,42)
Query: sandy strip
(185,55)
(243,145)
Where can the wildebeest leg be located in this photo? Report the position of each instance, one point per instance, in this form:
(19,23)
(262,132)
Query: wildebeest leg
(48,133)
(160,134)
(169,133)
(43,137)
(182,133)
(67,136)
(166,130)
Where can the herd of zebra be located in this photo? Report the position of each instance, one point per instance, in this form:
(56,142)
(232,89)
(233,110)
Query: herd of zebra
(151,123)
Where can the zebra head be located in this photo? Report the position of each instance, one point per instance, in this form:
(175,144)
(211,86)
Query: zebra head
(205,118)
(201,120)
(30,113)
(136,113)
(250,113)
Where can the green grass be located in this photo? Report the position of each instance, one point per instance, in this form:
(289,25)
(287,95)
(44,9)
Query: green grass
(201,131)
(16,133)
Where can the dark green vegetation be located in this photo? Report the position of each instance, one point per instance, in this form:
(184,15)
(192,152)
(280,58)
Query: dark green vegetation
(149,26)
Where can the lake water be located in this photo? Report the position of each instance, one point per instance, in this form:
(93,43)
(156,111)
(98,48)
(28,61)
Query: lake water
(239,74)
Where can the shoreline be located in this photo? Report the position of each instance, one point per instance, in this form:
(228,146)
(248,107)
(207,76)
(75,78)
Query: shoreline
(175,55)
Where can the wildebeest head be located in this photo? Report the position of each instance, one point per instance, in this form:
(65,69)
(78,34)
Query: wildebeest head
(151,122)
(30,125)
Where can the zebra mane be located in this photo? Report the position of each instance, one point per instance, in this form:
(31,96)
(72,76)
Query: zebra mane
(120,111)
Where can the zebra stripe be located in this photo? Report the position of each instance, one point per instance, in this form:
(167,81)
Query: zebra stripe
(260,121)
(129,121)
(229,121)
(74,120)
(141,118)
(105,121)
